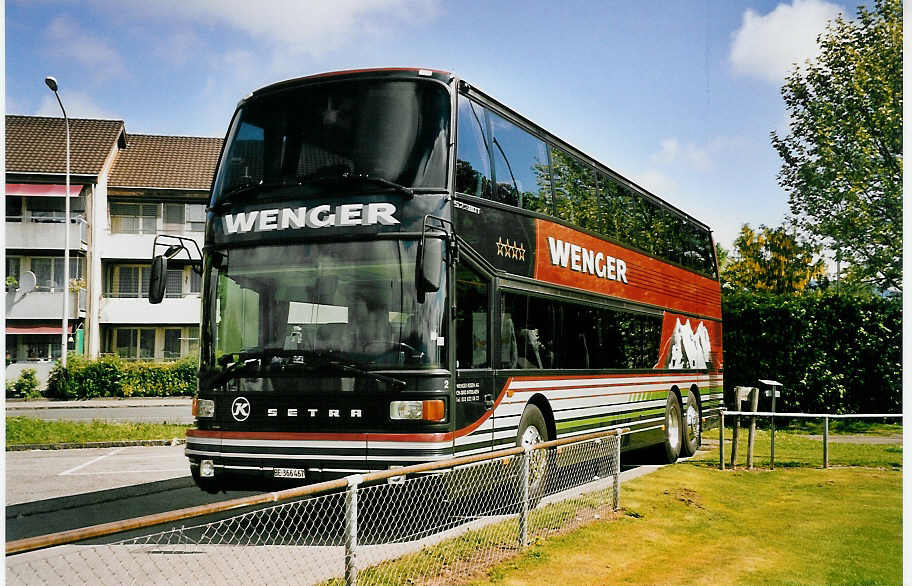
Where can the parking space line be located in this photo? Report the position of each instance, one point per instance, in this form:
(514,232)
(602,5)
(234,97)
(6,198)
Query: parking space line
(144,471)
(90,462)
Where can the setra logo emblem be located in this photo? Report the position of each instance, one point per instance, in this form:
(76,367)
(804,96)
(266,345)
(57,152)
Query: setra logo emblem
(240,409)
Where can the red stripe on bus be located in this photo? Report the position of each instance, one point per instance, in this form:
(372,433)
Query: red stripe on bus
(350,437)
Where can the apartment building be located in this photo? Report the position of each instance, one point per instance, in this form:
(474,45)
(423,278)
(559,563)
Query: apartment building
(125,188)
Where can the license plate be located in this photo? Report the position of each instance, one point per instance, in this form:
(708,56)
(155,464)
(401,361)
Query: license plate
(288,472)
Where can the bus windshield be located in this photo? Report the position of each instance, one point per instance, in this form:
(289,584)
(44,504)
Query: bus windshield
(314,303)
(312,136)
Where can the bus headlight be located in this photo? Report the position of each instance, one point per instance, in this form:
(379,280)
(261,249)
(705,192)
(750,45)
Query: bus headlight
(203,407)
(431,410)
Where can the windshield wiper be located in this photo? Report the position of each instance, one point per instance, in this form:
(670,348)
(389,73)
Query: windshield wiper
(310,358)
(229,197)
(319,358)
(233,367)
(353,177)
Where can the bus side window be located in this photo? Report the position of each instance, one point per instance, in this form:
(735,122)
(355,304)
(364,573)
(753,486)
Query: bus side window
(473,165)
(521,166)
(472,347)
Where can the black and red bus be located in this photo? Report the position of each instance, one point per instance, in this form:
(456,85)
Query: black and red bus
(399,268)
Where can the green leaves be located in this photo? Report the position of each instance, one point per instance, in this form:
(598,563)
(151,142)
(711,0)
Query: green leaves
(842,156)
(772,260)
(112,376)
(834,354)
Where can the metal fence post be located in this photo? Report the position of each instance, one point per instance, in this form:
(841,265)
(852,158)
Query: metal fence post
(722,440)
(826,437)
(751,435)
(351,529)
(617,471)
(524,510)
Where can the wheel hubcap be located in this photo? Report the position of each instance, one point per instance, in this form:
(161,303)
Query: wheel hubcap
(537,458)
(692,425)
(674,429)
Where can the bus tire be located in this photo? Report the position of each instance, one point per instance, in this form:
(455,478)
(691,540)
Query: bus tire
(673,432)
(692,427)
(534,430)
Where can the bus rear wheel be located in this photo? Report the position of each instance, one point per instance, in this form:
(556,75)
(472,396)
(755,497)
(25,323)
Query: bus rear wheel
(673,430)
(693,427)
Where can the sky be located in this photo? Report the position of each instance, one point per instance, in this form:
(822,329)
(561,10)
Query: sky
(679,96)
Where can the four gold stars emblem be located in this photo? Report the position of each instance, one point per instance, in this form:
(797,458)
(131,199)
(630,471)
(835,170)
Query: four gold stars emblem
(509,249)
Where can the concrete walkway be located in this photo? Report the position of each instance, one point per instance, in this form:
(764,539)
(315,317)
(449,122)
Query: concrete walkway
(13,405)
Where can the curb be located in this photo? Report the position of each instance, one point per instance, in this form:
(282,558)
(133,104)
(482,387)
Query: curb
(128,403)
(73,446)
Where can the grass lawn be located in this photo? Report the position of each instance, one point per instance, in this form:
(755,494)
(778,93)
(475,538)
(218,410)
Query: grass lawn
(692,523)
(25,430)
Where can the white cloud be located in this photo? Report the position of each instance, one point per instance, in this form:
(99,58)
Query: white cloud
(293,26)
(656,182)
(671,151)
(68,40)
(77,104)
(768,46)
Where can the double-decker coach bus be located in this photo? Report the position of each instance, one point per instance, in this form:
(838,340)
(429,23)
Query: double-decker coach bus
(399,268)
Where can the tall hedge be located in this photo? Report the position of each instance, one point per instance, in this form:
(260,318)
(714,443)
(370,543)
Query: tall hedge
(111,376)
(833,354)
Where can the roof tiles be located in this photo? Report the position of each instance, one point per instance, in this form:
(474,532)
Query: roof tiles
(166,162)
(37,144)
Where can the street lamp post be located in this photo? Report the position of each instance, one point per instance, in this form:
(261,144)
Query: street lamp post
(52,84)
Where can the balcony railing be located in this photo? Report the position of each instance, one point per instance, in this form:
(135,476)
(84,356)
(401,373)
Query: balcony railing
(45,232)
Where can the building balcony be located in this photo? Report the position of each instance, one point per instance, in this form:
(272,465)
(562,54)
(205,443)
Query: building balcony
(45,233)
(138,310)
(43,305)
(137,246)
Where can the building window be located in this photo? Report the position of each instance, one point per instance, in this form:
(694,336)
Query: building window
(134,218)
(172,343)
(38,347)
(48,270)
(174,285)
(128,281)
(134,343)
(13,208)
(13,264)
(174,217)
(196,215)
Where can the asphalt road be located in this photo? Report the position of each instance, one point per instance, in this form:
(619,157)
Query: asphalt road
(57,490)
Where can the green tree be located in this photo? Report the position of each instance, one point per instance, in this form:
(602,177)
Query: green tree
(771,260)
(842,156)
(722,256)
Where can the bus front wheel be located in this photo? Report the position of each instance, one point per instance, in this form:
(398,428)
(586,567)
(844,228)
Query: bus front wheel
(533,430)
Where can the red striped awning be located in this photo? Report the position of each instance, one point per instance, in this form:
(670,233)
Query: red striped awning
(36,329)
(41,189)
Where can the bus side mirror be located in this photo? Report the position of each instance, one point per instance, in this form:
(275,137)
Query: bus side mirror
(430,258)
(158,279)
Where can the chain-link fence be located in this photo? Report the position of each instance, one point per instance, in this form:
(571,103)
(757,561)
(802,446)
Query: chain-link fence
(441,524)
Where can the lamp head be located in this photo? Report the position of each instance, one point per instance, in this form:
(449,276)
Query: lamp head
(51,83)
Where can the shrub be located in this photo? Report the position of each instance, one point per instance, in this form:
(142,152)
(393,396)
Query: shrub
(833,353)
(27,384)
(112,376)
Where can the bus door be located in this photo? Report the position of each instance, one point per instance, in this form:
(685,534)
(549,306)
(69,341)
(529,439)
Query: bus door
(474,395)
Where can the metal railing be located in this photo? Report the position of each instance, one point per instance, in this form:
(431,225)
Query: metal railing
(429,523)
(772,415)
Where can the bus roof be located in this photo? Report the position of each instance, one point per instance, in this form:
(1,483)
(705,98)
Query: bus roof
(446,77)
